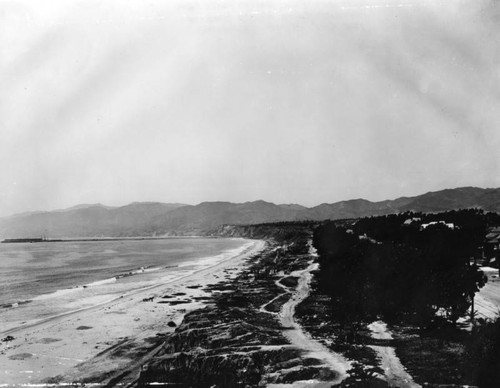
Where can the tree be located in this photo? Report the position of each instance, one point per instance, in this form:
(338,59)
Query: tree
(401,271)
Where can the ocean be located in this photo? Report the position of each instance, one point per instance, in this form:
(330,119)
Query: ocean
(41,280)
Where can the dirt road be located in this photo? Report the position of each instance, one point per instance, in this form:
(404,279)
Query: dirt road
(299,338)
(395,373)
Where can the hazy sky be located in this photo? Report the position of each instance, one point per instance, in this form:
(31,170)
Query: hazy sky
(287,101)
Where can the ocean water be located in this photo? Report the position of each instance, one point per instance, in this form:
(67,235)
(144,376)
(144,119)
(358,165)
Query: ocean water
(40,280)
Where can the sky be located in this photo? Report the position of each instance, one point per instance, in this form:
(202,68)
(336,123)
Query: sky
(288,101)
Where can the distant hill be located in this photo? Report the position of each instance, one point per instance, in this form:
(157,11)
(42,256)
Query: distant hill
(292,206)
(84,206)
(158,219)
(464,197)
(350,209)
(208,215)
(85,221)
(449,199)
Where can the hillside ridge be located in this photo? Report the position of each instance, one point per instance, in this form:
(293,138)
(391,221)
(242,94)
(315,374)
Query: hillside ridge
(170,219)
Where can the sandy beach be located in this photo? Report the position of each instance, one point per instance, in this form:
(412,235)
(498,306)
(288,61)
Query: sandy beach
(112,334)
(487,300)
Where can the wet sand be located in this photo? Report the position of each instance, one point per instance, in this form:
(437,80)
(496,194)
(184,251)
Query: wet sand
(108,336)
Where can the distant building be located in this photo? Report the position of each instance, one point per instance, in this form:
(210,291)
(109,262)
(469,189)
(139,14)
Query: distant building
(410,221)
(449,224)
(491,247)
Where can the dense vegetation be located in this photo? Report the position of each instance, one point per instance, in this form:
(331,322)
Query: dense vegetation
(408,267)
(415,270)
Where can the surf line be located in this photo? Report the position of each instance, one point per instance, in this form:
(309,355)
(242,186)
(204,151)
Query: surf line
(257,246)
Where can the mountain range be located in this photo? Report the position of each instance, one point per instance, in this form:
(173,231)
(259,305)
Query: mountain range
(162,219)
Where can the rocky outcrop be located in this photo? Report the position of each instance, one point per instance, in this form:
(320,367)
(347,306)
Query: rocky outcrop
(228,348)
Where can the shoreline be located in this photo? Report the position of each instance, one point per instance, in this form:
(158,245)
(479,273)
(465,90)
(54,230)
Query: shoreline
(35,240)
(179,271)
(44,351)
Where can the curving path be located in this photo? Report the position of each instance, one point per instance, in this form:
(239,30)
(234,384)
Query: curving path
(395,373)
(302,340)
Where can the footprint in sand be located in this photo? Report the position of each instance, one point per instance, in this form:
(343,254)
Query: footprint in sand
(84,327)
(20,356)
(48,340)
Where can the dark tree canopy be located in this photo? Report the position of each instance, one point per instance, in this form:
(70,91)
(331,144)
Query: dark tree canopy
(386,267)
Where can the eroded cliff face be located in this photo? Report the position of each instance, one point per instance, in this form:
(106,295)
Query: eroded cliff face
(237,341)
(228,348)
(284,233)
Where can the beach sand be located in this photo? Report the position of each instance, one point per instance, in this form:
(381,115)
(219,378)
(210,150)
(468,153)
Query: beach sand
(112,335)
(487,300)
